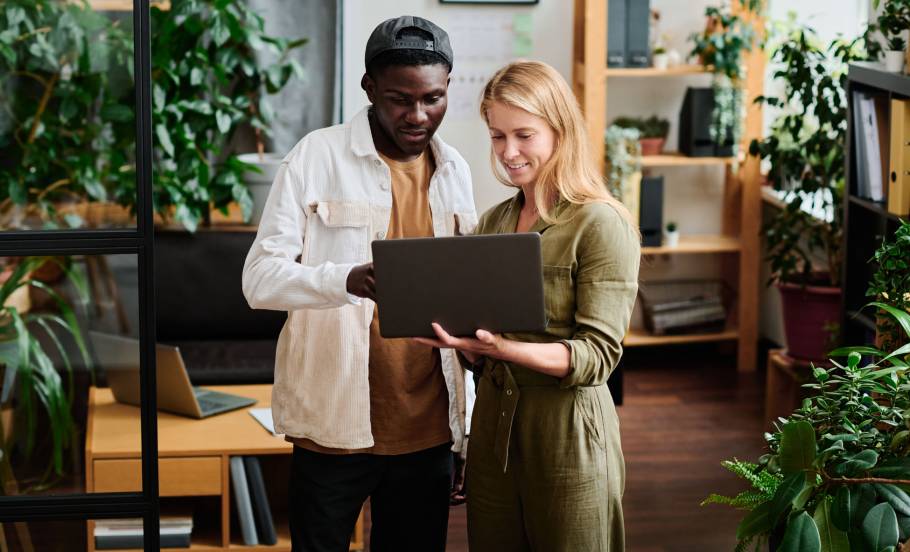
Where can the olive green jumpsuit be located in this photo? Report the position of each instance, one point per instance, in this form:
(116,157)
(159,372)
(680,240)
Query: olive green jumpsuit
(545,468)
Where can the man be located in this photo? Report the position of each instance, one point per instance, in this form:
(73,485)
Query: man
(369,417)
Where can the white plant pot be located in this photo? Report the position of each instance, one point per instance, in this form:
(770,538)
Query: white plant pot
(671,239)
(660,61)
(894,61)
(260,183)
(674,58)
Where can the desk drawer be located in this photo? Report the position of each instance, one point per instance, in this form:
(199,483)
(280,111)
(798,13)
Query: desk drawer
(176,476)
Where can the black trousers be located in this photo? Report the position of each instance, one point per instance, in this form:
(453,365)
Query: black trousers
(409,499)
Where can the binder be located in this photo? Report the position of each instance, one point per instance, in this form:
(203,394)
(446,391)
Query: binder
(638,43)
(899,170)
(265,524)
(859,145)
(616,33)
(873,149)
(242,500)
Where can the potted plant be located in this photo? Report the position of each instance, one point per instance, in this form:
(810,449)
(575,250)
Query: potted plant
(659,58)
(671,235)
(206,86)
(894,22)
(836,474)
(720,48)
(653,131)
(32,387)
(623,160)
(66,115)
(891,285)
(804,153)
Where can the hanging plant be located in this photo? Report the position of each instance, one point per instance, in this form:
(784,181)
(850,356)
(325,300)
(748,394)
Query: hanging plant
(623,159)
(720,47)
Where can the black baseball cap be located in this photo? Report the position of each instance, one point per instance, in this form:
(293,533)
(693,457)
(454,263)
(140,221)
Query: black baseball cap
(387,36)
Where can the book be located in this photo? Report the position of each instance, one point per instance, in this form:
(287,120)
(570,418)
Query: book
(174,532)
(873,149)
(859,144)
(242,501)
(262,512)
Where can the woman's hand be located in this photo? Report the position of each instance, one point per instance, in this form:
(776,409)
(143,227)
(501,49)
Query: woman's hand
(484,344)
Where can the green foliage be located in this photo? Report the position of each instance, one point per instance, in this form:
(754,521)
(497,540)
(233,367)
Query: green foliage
(894,21)
(891,280)
(805,153)
(206,85)
(650,127)
(66,108)
(838,469)
(67,126)
(720,47)
(28,363)
(623,158)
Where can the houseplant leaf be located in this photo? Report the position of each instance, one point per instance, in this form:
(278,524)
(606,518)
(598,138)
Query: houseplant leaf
(790,488)
(797,447)
(880,527)
(801,535)
(832,539)
(862,460)
(895,496)
(756,522)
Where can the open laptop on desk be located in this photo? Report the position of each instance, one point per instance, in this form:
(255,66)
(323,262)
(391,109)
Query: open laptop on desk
(119,356)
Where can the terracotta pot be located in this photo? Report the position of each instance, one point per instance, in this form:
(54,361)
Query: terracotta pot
(652,146)
(811,320)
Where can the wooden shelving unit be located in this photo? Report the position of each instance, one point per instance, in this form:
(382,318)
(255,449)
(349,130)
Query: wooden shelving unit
(641,338)
(866,223)
(652,72)
(673,159)
(742,191)
(697,244)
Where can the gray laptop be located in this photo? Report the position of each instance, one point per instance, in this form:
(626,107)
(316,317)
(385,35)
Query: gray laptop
(119,357)
(465,283)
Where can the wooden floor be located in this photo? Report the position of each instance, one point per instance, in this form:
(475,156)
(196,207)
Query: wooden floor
(685,410)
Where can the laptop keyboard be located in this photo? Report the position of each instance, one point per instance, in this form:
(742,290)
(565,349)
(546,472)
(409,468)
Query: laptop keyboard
(208,405)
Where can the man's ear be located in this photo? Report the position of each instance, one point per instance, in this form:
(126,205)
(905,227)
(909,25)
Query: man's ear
(369,86)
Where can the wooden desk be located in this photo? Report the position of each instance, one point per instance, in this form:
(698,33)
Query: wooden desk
(194,465)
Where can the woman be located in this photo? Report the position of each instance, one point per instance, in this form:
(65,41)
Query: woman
(545,467)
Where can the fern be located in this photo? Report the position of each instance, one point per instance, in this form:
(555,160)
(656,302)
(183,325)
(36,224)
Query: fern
(764,485)
(746,500)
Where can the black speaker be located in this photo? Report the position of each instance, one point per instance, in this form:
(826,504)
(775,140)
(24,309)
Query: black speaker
(651,210)
(695,126)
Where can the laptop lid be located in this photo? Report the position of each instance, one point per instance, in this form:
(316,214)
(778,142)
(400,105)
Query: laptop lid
(464,283)
(119,357)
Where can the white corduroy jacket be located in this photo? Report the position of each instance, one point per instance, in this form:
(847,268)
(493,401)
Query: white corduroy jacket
(331,198)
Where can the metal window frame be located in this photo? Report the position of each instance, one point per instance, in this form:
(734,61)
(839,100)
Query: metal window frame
(139,241)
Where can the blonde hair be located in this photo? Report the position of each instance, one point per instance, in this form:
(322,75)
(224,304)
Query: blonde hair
(570,173)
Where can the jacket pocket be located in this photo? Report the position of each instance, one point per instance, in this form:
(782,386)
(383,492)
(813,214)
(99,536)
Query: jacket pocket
(588,409)
(559,295)
(338,233)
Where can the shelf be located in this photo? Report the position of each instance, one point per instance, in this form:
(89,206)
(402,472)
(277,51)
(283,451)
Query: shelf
(674,159)
(876,207)
(697,244)
(874,75)
(641,338)
(652,72)
(125,5)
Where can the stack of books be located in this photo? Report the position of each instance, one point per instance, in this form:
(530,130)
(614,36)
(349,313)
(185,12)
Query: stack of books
(683,306)
(256,523)
(127,533)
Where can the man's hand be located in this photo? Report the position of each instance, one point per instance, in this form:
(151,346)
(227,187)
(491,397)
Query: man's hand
(459,494)
(361,282)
